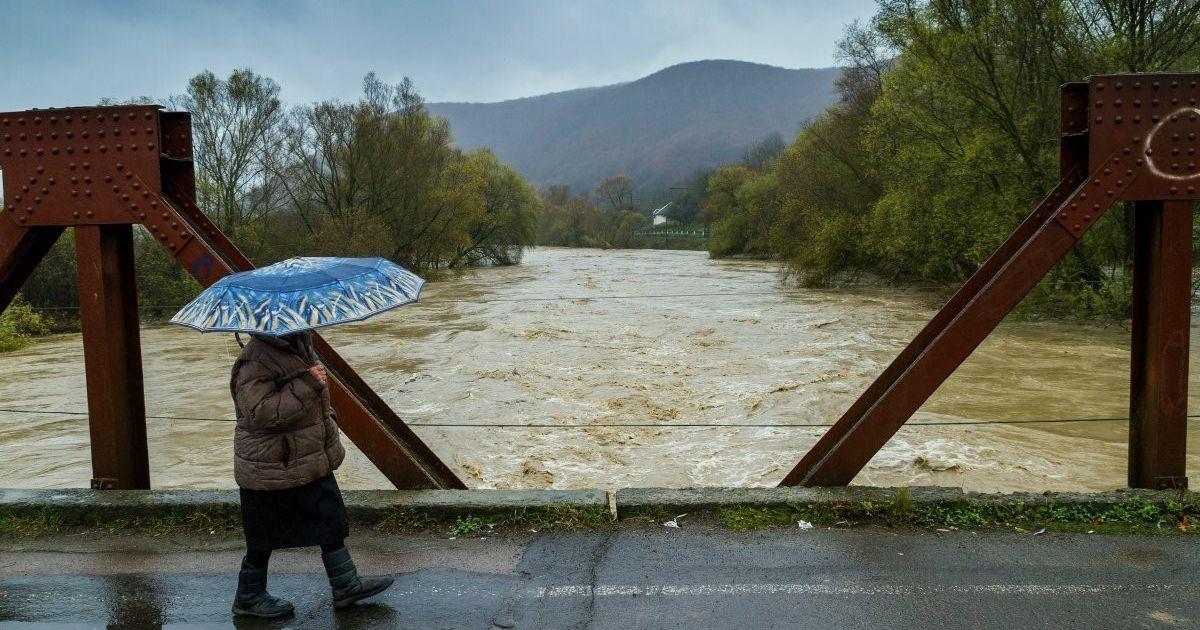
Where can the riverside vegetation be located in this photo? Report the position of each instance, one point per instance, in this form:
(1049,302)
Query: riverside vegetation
(944,135)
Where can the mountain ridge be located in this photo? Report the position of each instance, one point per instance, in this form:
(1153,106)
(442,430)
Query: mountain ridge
(657,129)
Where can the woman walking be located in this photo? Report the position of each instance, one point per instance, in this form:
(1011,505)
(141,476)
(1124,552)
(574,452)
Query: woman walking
(286,448)
(286,444)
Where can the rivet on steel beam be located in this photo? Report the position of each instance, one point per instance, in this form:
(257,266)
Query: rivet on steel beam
(74,193)
(141,215)
(1099,87)
(90,213)
(75,214)
(1099,119)
(1174,190)
(87,193)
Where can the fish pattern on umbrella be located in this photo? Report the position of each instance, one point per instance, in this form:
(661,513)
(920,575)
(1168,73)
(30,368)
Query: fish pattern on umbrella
(230,306)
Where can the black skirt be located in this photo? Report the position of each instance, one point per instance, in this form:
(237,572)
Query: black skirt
(305,516)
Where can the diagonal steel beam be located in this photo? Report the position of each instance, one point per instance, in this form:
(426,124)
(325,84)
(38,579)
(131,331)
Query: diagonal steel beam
(363,416)
(21,249)
(959,327)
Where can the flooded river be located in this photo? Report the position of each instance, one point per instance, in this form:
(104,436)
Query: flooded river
(587,339)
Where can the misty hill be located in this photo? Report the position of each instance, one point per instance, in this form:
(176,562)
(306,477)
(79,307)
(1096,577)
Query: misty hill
(658,129)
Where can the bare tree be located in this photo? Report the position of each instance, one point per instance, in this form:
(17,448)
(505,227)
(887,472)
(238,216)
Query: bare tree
(235,126)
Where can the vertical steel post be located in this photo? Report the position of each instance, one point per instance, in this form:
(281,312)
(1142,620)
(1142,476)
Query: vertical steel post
(112,353)
(1162,276)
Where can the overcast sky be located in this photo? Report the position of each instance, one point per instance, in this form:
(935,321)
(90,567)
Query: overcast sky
(60,53)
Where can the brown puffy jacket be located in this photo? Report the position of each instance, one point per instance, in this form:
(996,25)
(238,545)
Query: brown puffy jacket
(286,435)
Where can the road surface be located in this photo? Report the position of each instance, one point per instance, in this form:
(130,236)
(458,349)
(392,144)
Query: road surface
(648,576)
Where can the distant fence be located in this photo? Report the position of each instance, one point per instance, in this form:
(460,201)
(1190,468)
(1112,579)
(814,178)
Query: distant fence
(681,232)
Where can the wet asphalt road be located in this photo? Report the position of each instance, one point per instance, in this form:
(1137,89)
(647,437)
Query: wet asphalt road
(695,577)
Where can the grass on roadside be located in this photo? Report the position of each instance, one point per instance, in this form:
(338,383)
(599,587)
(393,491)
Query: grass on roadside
(1132,516)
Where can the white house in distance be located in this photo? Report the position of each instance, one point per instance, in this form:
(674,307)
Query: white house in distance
(659,216)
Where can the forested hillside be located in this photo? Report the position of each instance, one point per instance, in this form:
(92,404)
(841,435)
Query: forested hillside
(658,130)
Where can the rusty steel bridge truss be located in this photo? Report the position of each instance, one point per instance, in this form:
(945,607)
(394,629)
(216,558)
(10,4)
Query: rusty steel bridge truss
(1123,138)
(100,170)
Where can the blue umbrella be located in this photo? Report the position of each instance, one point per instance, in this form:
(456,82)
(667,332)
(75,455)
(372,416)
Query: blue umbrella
(301,294)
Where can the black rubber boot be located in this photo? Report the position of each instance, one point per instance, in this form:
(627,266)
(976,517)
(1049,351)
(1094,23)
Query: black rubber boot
(343,577)
(253,600)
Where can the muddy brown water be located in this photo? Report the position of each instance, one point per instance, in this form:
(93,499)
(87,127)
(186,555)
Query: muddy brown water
(660,338)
